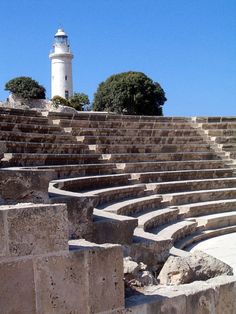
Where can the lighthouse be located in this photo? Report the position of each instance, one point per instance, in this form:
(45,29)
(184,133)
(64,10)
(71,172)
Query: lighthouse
(61,66)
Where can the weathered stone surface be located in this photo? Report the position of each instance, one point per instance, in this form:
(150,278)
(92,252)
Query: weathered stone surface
(198,297)
(80,216)
(3,235)
(135,274)
(130,267)
(17,293)
(18,185)
(106,290)
(112,228)
(195,266)
(33,229)
(225,295)
(205,266)
(61,283)
(88,280)
(146,278)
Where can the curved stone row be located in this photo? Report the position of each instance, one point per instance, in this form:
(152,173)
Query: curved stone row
(155,185)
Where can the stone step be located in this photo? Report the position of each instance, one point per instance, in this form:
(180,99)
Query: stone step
(199,196)
(103,196)
(135,205)
(170,165)
(75,170)
(19,112)
(101,116)
(112,228)
(112,194)
(121,124)
(31,147)
(228,147)
(142,148)
(218,220)
(202,235)
(168,136)
(87,183)
(135,157)
(192,185)
(163,176)
(30,128)
(214,119)
(219,125)
(11,118)
(102,132)
(27,159)
(225,139)
(203,208)
(219,132)
(232,155)
(17,136)
(157,217)
(175,230)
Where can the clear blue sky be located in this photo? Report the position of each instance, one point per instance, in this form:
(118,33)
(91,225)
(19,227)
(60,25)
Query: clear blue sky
(188,46)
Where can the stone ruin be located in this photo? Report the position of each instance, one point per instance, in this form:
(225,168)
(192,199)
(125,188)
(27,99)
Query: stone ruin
(94,204)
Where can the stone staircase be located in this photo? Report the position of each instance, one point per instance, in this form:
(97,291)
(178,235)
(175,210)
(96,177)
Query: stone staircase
(152,183)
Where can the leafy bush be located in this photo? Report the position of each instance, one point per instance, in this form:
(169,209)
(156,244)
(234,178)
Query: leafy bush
(58,100)
(25,87)
(79,101)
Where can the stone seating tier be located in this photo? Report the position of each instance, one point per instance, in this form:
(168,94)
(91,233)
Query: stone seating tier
(32,147)
(28,127)
(219,125)
(216,220)
(78,124)
(137,138)
(148,183)
(94,116)
(188,135)
(148,148)
(204,208)
(24,159)
(19,112)
(17,119)
(18,136)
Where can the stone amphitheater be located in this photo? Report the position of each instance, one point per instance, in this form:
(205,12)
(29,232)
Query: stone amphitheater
(79,192)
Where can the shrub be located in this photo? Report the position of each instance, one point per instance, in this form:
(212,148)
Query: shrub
(25,87)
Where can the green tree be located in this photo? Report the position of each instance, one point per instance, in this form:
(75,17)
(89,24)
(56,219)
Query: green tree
(25,87)
(58,100)
(78,101)
(130,93)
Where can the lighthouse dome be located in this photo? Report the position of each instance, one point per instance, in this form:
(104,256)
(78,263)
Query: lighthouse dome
(60,33)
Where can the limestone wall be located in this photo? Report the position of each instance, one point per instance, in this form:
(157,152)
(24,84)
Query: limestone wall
(38,273)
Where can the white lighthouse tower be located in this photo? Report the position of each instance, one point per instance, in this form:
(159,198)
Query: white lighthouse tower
(61,66)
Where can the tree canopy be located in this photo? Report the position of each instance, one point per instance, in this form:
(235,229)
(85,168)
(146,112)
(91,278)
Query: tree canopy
(58,100)
(130,93)
(25,87)
(79,101)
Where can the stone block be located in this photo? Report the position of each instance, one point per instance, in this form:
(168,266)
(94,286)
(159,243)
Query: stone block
(17,294)
(80,215)
(225,289)
(3,241)
(25,185)
(106,287)
(112,228)
(61,283)
(29,229)
(201,302)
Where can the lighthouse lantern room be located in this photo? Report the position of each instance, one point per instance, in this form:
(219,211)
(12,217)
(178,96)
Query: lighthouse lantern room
(61,66)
